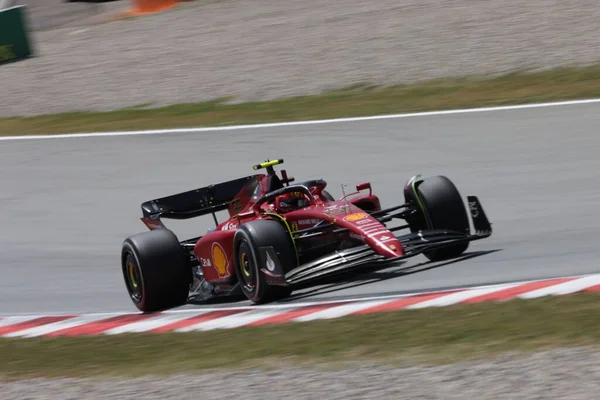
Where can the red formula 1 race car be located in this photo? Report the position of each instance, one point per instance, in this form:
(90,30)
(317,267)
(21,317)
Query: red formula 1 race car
(280,235)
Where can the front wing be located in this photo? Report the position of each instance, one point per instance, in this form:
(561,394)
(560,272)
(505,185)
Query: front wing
(414,244)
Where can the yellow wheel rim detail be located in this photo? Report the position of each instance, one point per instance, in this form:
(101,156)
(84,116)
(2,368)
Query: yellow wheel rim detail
(132,275)
(245,269)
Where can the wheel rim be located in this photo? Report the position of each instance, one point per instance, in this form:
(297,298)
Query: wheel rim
(133,279)
(248,272)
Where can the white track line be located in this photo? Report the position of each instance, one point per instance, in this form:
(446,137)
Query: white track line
(232,321)
(298,123)
(153,323)
(55,326)
(563,288)
(12,320)
(339,311)
(455,298)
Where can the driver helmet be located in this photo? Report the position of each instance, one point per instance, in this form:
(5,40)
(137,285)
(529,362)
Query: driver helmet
(292,201)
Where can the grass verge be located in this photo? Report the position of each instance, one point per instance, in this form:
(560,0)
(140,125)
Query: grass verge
(359,100)
(426,336)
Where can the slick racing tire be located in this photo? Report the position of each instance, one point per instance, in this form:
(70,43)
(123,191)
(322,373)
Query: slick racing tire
(156,271)
(444,209)
(250,262)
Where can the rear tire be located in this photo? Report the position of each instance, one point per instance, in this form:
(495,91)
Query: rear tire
(443,209)
(156,271)
(248,261)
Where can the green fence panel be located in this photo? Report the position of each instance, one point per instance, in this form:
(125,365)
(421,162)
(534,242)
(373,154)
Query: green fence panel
(14,35)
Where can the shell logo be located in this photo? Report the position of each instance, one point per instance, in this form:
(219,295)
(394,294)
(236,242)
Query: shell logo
(355,217)
(220,260)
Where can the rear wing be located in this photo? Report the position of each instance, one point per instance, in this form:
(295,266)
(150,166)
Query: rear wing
(194,203)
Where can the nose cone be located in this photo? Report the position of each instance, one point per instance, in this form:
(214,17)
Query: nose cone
(375,234)
(389,247)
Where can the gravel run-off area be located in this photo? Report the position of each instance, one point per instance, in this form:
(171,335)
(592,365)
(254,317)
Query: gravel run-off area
(561,374)
(258,50)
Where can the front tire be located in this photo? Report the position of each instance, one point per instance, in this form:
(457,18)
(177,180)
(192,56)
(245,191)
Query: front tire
(249,262)
(440,207)
(156,271)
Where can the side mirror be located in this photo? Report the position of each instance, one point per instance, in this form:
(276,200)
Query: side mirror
(363,186)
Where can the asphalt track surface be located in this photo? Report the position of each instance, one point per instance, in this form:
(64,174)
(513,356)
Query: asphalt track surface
(67,204)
